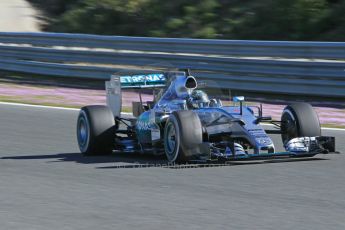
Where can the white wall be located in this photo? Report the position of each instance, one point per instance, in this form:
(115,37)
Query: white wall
(17,16)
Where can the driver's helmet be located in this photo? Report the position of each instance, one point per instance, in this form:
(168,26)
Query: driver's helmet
(198,99)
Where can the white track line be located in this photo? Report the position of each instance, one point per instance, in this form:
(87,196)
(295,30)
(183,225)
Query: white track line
(324,128)
(38,106)
(74,109)
(45,106)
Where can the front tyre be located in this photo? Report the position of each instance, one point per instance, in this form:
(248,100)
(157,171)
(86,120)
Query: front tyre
(182,136)
(299,120)
(95,130)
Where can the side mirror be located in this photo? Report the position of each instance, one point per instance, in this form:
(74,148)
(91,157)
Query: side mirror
(238,99)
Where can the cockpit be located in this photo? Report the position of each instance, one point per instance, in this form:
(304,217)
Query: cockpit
(199,99)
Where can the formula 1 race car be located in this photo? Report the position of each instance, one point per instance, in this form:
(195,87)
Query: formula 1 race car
(183,123)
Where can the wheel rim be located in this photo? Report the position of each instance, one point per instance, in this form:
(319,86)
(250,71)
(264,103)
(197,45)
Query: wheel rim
(289,126)
(171,138)
(83,133)
(171,141)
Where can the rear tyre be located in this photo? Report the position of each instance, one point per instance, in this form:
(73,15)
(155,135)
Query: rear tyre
(95,130)
(299,120)
(182,136)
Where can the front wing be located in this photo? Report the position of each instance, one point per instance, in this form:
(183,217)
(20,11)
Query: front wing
(312,147)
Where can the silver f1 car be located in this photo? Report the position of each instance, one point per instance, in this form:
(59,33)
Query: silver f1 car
(186,125)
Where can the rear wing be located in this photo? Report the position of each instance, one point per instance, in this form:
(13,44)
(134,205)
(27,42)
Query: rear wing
(116,83)
(154,80)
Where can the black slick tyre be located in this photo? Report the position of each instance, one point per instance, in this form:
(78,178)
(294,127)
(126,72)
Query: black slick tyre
(182,136)
(95,130)
(299,120)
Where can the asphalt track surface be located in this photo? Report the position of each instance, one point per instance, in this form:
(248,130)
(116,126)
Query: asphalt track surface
(46,184)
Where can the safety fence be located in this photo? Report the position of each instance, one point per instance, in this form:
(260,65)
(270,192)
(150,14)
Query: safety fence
(309,68)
